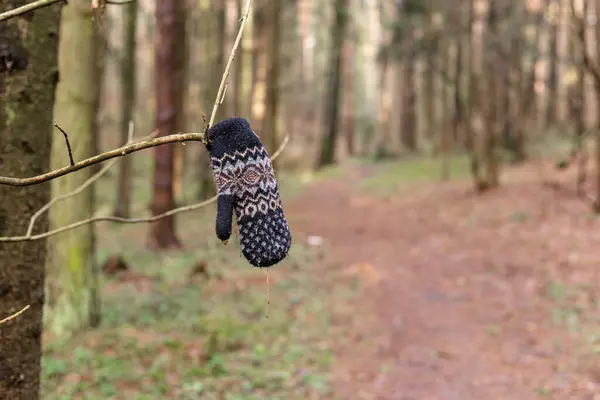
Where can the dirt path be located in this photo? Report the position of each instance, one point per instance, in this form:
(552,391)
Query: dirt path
(458,292)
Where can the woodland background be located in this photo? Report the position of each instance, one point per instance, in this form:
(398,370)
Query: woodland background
(441,181)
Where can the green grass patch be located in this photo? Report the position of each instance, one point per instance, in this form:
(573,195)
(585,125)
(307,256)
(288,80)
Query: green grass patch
(392,175)
(167,334)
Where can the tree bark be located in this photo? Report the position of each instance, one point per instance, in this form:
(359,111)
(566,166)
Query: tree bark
(259,65)
(128,95)
(348,94)
(552,96)
(270,127)
(238,68)
(168,66)
(408,132)
(28,75)
(72,279)
(331,120)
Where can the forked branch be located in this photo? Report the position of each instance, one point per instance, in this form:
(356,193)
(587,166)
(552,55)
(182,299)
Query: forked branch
(121,151)
(28,237)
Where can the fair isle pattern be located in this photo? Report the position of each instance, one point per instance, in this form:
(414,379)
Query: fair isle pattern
(248,175)
(247,187)
(264,239)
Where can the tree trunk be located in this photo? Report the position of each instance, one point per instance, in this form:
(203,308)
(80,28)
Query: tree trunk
(449,102)
(408,132)
(473,106)
(494,77)
(259,68)
(215,18)
(348,94)
(431,57)
(238,68)
(28,75)
(270,130)
(168,71)
(72,278)
(577,95)
(182,85)
(597,87)
(220,42)
(128,86)
(552,96)
(329,138)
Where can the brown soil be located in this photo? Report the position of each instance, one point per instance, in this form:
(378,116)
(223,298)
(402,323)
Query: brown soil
(459,285)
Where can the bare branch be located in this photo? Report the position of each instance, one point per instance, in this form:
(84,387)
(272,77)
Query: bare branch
(121,151)
(81,188)
(34,5)
(29,237)
(118,2)
(15,315)
(223,86)
(26,8)
(68,144)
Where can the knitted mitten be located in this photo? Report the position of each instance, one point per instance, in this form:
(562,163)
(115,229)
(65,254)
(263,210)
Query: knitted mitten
(246,183)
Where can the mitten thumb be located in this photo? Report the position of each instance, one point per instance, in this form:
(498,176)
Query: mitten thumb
(224,216)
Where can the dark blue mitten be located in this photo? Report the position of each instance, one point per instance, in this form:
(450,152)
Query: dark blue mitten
(246,184)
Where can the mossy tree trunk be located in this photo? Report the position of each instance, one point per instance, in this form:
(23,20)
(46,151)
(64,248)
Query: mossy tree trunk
(71,284)
(28,75)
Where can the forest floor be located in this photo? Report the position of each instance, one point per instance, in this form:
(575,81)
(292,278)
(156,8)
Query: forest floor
(398,287)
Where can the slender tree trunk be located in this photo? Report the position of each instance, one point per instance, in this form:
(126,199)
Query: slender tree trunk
(445,135)
(220,42)
(577,95)
(494,77)
(597,87)
(458,118)
(272,89)
(28,75)
(472,105)
(168,67)
(128,91)
(72,277)
(552,96)
(238,68)
(329,138)
(431,56)
(408,132)
(260,47)
(348,94)
(210,45)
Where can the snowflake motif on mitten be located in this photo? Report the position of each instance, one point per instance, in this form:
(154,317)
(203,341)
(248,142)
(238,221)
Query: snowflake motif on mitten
(246,185)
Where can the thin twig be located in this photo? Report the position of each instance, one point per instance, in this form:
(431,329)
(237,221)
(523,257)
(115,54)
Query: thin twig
(222,86)
(34,5)
(15,315)
(80,189)
(26,8)
(28,238)
(68,144)
(121,151)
